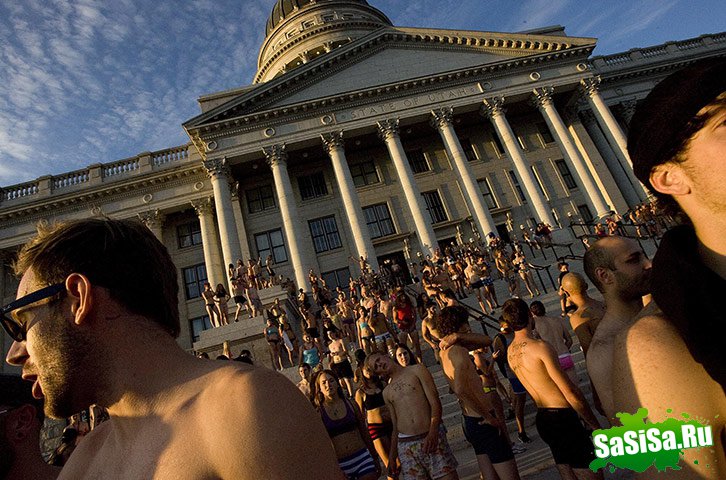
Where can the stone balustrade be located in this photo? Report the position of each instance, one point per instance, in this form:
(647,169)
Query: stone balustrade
(100,173)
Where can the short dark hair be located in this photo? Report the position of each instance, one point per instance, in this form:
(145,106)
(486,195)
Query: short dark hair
(451,319)
(516,313)
(122,256)
(665,122)
(16,392)
(537,308)
(597,256)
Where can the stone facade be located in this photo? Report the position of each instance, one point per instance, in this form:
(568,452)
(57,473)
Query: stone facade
(388,143)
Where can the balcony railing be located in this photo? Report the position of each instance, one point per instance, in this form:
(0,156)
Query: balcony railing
(93,175)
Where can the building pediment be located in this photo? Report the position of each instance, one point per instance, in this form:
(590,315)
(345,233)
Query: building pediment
(385,59)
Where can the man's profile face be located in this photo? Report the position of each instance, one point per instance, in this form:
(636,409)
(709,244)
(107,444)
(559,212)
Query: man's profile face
(49,355)
(380,364)
(632,269)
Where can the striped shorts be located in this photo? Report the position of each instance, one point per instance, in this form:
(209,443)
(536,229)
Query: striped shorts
(357,464)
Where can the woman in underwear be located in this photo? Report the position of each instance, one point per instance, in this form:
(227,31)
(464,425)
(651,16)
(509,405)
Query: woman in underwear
(346,427)
(525,273)
(291,345)
(366,337)
(212,310)
(221,297)
(339,362)
(404,314)
(369,398)
(309,353)
(272,335)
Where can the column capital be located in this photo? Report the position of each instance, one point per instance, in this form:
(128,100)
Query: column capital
(332,140)
(217,167)
(152,218)
(493,107)
(388,128)
(542,97)
(441,117)
(589,86)
(275,154)
(203,206)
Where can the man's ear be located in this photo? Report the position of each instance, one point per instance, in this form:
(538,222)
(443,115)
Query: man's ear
(81,293)
(604,275)
(669,178)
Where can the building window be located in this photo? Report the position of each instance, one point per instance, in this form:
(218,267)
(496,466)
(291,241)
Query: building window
(486,190)
(189,234)
(271,243)
(379,220)
(566,174)
(540,185)
(194,278)
(468,148)
(522,142)
(337,278)
(498,147)
(364,174)
(260,198)
(585,213)
(417,160)
(198,325)
(517,187)
(435,207)
(544,133)
(325,234)
(312,186)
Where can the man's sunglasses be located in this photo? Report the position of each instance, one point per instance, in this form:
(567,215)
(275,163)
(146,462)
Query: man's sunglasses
(15,329)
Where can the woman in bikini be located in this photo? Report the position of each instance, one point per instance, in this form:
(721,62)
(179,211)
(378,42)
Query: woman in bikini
(346,427)
(286,330)
(272,335)
(309,353)
(522,265)
(221,297)
(369,398)
(366,337)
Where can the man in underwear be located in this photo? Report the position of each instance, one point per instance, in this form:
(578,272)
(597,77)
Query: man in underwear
(621,272)
(560,404)
(21,418)
(485,431)
(552,330)
(673,356)
(86,331)
(585,319)
(418,439)
(378,323)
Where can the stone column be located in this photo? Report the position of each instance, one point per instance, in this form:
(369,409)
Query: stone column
(210,241)
(388,131)
(543,100)
(442,121)
(154,221)
(218,171)
(240,221)
(334,145)
(277,159)
(616,168)
(612,130)
(493,110)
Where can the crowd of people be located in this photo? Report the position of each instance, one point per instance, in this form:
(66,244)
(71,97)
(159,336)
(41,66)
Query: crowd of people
(86,332)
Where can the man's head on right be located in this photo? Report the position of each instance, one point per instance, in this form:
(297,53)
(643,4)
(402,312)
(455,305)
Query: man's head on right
(665,130)
(379,363)
(21,417)
(618,265)
(516,314)
(451,320)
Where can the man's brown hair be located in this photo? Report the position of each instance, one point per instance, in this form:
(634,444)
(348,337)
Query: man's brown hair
(516,313)
(122,256)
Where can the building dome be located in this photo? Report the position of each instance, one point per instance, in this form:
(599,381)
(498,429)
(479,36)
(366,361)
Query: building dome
(300,30)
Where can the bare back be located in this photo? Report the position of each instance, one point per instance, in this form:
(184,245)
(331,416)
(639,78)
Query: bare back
(553,331)
(584,321)
(533,361)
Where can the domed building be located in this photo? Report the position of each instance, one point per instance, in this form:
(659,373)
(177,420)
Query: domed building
(360,138)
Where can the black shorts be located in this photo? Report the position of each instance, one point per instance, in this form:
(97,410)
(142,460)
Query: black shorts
(342,369)
(239,299)
(487,440)
(568,440)
(313,332)
(476,285)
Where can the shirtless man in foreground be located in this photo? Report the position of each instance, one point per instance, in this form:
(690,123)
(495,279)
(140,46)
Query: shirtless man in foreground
(673,356)
(560,404)
(418,439)
(621,272)
(485,431)
(86,332)
(585,319)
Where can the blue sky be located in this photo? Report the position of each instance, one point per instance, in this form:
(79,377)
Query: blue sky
(85,81)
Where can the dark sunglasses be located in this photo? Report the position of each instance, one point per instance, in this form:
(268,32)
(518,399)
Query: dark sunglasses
(15,329)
